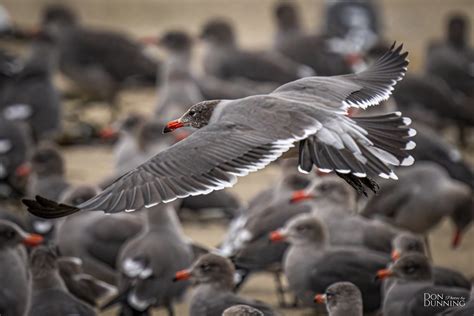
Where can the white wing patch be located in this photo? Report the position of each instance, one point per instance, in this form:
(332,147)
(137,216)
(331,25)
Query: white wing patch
(5,146)
(135,268)
(17,112)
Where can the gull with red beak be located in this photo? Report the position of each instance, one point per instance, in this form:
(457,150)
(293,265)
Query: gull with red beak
(406,242)
(311,264)
(341,299)
(413,280)
(214,284)
(247,239)
(335,203)
(235,137)
(14,276)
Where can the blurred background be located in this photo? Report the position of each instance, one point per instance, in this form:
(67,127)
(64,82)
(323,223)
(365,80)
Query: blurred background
(88,150)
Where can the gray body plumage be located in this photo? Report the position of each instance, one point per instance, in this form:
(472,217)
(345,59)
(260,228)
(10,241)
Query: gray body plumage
(49,294)
(311,265)
(30,96)
(178,90)
(14,277)
(407,204)
(148,261)
(97,239)
(412,275)
(213,292)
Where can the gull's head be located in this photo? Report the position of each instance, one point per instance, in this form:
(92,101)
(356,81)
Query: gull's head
(197,116)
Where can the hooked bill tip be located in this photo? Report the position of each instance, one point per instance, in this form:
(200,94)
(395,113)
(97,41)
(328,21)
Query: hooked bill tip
(171,126)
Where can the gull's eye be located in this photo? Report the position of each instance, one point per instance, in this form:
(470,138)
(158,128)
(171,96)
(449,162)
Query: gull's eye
(9,234)
(412,247)
(205,267)
(324,187)
(410,269)
(301,228)
(192,112)
(329,295)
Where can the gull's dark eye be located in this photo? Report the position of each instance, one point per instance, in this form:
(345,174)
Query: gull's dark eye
(412,247)
(9,234)
(324,187)
(205,267)
(192,112)
(301,228)
(410,269)
(329,295)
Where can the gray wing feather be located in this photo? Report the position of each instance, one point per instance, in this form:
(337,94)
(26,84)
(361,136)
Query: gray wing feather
(210,159)
(363,89)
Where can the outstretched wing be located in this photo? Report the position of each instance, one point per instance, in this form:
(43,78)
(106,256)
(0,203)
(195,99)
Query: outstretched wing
(210,159)
(360,90)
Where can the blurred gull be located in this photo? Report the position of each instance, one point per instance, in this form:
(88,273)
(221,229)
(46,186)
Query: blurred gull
(14,271)
(311,264)
(212,294)
(49,293)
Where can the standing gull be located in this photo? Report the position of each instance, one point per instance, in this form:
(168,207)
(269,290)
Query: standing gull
(214,279)
(14,274)
(413,279)
(341,299)
(311,264)
(49,295)
(148,262)
(236,137)
(224,59)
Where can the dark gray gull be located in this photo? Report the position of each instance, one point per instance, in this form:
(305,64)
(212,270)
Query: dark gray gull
(14,272)
(29,96)
(269,201)
(214,282)
(409,205)
(14,154)
(430,146)
(178,88)
(309,49)
(311,264)
(253,253)
(125,149)
(95,238)
(452,58)
(48,179)
(209,87)
(413,281)
(341,299)
(333,202)
(82,285)
(149,261)
(99,62)
(407,242)
(139,140)
(236,137)
(224,59)
(48,174)
(430,100)
(49,294)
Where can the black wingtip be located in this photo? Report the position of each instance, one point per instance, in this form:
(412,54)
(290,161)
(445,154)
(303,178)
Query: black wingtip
(360,184)
(48,209)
